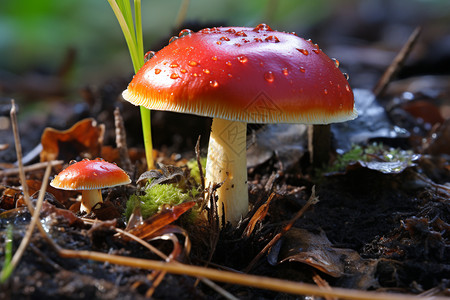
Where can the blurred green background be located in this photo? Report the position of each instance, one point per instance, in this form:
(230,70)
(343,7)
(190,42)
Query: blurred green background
(36,35)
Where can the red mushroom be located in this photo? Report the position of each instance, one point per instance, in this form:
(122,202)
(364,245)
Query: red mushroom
(239,75)
(89,176)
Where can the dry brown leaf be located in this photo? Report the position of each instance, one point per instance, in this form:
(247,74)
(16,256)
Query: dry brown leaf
(155,223)
(300,245)
(84,139)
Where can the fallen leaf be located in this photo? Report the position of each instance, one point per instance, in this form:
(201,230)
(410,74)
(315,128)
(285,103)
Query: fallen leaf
(84,139)
(300,245)
(152,225)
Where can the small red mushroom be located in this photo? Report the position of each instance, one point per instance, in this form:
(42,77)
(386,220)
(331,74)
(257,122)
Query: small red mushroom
(89,176)
(240,75)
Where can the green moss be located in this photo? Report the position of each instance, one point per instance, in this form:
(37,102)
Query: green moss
(157,195)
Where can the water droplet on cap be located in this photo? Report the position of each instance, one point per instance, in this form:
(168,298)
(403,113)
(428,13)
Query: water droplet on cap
(228,63)
(262,27)
(336,62)
(185,32)
(214,58)
(157,71)
(224,38)
(269,77)
(206,71)
(219,43)
(303,51)
(285,71)
(302,70)
(325,91)
(346,76)
(242,59)
(183,71)
(173,39)
(148,56)
(174,76)
(193,63)
(241,33)
(214,83)
(174,65)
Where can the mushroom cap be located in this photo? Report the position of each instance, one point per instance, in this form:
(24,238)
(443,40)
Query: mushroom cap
(90,175)
(253,75)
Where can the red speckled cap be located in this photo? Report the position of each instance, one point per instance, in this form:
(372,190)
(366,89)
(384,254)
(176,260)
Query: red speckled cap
(253,75)
(90,175)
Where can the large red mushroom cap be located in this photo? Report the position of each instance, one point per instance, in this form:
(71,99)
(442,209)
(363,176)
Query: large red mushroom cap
(253,75)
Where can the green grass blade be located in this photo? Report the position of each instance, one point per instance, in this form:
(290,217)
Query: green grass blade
(7,266)
(132,32)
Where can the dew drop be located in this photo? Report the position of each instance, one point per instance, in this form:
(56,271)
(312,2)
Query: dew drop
(219,43)
(243,59)
(347,87)
(237,45)
(262,27)
(241,33)
(228,63)
(325,91)
(224,38)
(285,71)
(183,71)
(230,30)
(214,83)
(173,39)
(206,71)
(193,63)
(174,65)
(246,41)
(257,40)
(230,75)
(157,71)
(185,32)
(269,77)
(303,51)
(72,162)
(317,51)
(174,76)
(346,76)
(214,58)
(336,62)
(148,56)
(302,70)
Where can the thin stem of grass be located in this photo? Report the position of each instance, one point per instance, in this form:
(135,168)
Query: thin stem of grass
(132,31)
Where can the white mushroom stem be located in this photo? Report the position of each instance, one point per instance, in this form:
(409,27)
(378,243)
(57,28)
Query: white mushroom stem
(89,198)
(227,163)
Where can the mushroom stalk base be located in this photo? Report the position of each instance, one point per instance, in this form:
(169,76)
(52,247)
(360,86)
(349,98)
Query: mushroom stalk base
(89,198)
(227,163)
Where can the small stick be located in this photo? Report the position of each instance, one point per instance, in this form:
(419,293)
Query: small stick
(15,128)
(312,200)
(199,163)
(34,167)
(397,63)
(121,141)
